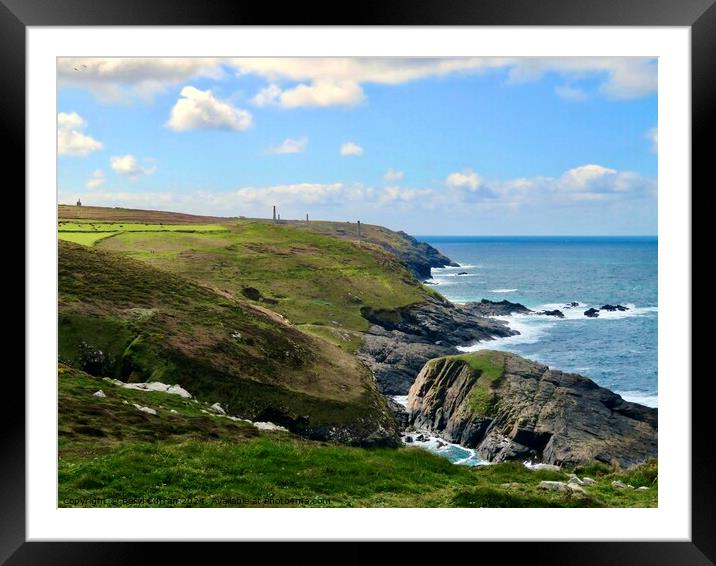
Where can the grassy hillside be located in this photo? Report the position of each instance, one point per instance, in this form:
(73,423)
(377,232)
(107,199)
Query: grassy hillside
(116,214)
(318,275)
(125,319)
(115,455)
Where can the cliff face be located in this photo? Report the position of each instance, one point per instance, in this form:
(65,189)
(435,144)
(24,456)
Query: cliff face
(511,408)
(420,257)
(399,342)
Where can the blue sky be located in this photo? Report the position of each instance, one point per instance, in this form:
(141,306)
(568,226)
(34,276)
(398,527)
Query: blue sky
(441,146)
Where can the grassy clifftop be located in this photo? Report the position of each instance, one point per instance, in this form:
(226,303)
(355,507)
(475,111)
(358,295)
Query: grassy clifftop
(319,275)
(123,318)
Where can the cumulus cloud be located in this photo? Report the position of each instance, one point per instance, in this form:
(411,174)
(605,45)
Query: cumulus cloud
(393,175)
(620,77)
(466,179)
(96,180)
(200,109)
(332,81)
(290,145)
(350,149)
(320,93)
(653,136)
(581,188)
(120,79)
(70,139)
(129,166)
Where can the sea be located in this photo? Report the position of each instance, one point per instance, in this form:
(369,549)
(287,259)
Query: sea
(618,350)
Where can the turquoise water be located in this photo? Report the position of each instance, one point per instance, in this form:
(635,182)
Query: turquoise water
(617,350)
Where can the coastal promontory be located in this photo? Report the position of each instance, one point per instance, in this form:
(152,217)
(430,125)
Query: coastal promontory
(511,408)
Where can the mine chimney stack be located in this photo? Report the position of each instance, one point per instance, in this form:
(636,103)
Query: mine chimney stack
(274,214)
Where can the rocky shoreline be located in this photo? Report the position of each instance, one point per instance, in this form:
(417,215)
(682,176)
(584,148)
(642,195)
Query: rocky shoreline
(530,412)
(399,342)
(510,408)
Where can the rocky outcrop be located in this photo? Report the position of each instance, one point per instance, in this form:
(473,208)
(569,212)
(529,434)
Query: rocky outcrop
(613,308)
(497,308)
(508,408)
(419,257)
(556,312)
(399,342)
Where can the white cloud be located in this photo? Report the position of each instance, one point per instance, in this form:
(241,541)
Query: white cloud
(70,140)
(586,175)
(579,189)
(267,96)
(96,180)
(568,92)
(129,166)
(621,77)
(320,93)
(122,78)
(200,109)
(290,146)
(337,80)
(403,195)
(466,179)
(653,136)
(350,149)
(393,175)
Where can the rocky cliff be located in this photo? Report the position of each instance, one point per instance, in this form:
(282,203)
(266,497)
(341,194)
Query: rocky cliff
(399,342)
(509,408)
(420,257)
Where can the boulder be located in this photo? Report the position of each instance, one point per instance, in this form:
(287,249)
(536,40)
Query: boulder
(612,308)
(554,486)
(592,313)
(556,312)
(99,394)
(218,409)
(588,481)
(147,410)
(541,466)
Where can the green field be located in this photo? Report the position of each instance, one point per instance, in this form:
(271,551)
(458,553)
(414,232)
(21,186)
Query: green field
(112,451)
(84,238)
(310,278)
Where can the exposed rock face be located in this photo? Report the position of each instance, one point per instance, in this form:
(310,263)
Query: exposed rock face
(400,342)
(511,408)
(419,257)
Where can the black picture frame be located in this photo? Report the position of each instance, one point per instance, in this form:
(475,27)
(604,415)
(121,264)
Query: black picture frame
(699,15)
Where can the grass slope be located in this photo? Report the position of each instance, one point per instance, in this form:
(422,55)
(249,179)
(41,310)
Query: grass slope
(111,454)
(310,278)
(124,319)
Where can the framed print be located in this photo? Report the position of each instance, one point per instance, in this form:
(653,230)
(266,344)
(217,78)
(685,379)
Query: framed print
(415,277)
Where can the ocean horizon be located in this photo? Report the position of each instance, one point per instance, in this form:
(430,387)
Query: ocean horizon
(618,350)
